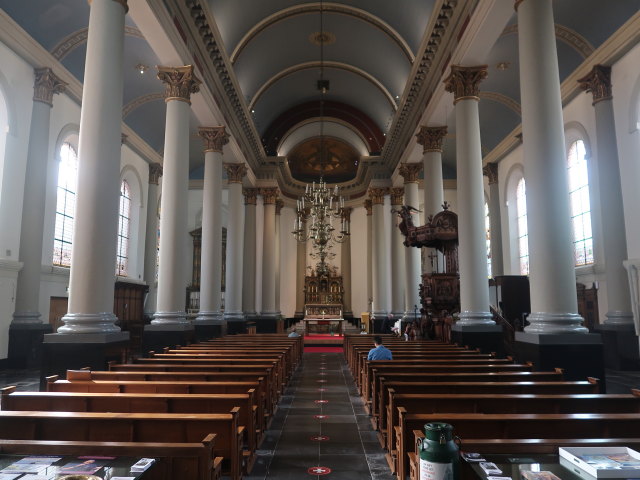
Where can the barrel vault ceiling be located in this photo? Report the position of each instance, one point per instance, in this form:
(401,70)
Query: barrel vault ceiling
(260,61)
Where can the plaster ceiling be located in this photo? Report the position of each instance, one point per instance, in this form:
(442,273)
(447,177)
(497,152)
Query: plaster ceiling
(370,62)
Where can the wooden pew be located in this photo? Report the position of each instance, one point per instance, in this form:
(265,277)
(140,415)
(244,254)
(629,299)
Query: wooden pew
(515,426)
(275,353)
(496,403)
(130,427)
(173,460)
(498,376)
(10,399)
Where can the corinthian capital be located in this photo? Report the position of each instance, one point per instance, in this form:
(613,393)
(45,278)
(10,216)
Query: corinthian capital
(269,195)
(368,206)
(180,82)
(598,82)
(279,205)
(46,84)
(490,170)
(214,138)
(431,138)
(464,82)
(250,196)
(155,172)
(235,172)
(410,172)
(377,195)
(397,196)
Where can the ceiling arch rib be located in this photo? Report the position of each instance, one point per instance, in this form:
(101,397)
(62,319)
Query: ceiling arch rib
(503,99)
(313,8)
(330,126)
(327,64)
(69,43)
(564,34)
(139,101)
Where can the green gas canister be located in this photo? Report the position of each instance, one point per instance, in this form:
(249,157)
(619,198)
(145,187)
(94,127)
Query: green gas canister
(439,454)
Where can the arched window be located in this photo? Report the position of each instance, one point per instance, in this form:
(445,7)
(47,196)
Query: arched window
(65,205)
(124,223)
(487,229)
(580,203)
(523,233)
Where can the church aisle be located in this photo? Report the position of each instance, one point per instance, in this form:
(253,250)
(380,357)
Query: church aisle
(321,429)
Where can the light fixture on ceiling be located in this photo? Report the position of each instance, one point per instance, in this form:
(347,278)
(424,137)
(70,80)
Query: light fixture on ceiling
(319,205)
(502,66)
(141,68)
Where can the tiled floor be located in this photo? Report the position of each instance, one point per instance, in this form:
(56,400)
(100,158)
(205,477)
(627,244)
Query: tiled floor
(350,452)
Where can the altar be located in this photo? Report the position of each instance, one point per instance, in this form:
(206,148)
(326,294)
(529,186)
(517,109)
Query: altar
(323,305)
(331,326)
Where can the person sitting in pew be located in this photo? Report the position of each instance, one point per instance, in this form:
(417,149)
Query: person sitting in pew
(293,333)
(379,352)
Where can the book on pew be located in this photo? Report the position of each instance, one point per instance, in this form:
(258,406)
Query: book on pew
(602,462)
(142,464)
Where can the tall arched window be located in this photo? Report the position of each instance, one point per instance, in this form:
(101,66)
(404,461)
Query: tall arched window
(523,233)
(65,205)
(124,221)
(487,229)
(580,204)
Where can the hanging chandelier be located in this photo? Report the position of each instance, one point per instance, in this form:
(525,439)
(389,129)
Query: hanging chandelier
(320,205)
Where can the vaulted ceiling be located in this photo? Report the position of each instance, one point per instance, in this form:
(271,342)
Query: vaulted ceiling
(261,59)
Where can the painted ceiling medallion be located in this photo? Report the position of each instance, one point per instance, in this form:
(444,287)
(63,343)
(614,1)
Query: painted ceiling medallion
(322,38)
(319,471)
(334,158)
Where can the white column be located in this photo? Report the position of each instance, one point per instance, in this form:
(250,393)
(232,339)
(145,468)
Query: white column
(554,305)
(91,282)
(249,263)
(370,267)
(28,285)
(151,237)
(211,252)
(279,205)
(398,267)
(301,272)
(495,228)
(345,264)
(235,243)
(410,172)
(431,139)
(598,82)
(269,196)
(381,284)
(474,289)
(179,84)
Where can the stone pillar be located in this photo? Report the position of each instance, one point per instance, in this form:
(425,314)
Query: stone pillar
(410,172)
(28,285)
(495,229)
(381,281)
(249,263)
(214,139)
(180,83)
(554,306)
(398,269)
(233,313)
(345,265)
(27,329)
(91,282)
(301,272)
(269,196)
(614,242)
(463,82)
(370,267)
(151,238)
(279,205)
(431,140)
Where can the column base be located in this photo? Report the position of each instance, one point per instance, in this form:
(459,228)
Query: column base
(580,356)
(62,352)
(157,337)
(619,318)
(236,322)
(555,323)
(170,318)
(620,346)
(487,337)
(26,318)
(471,318)
(25,344)
(89,323)
(208,325)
